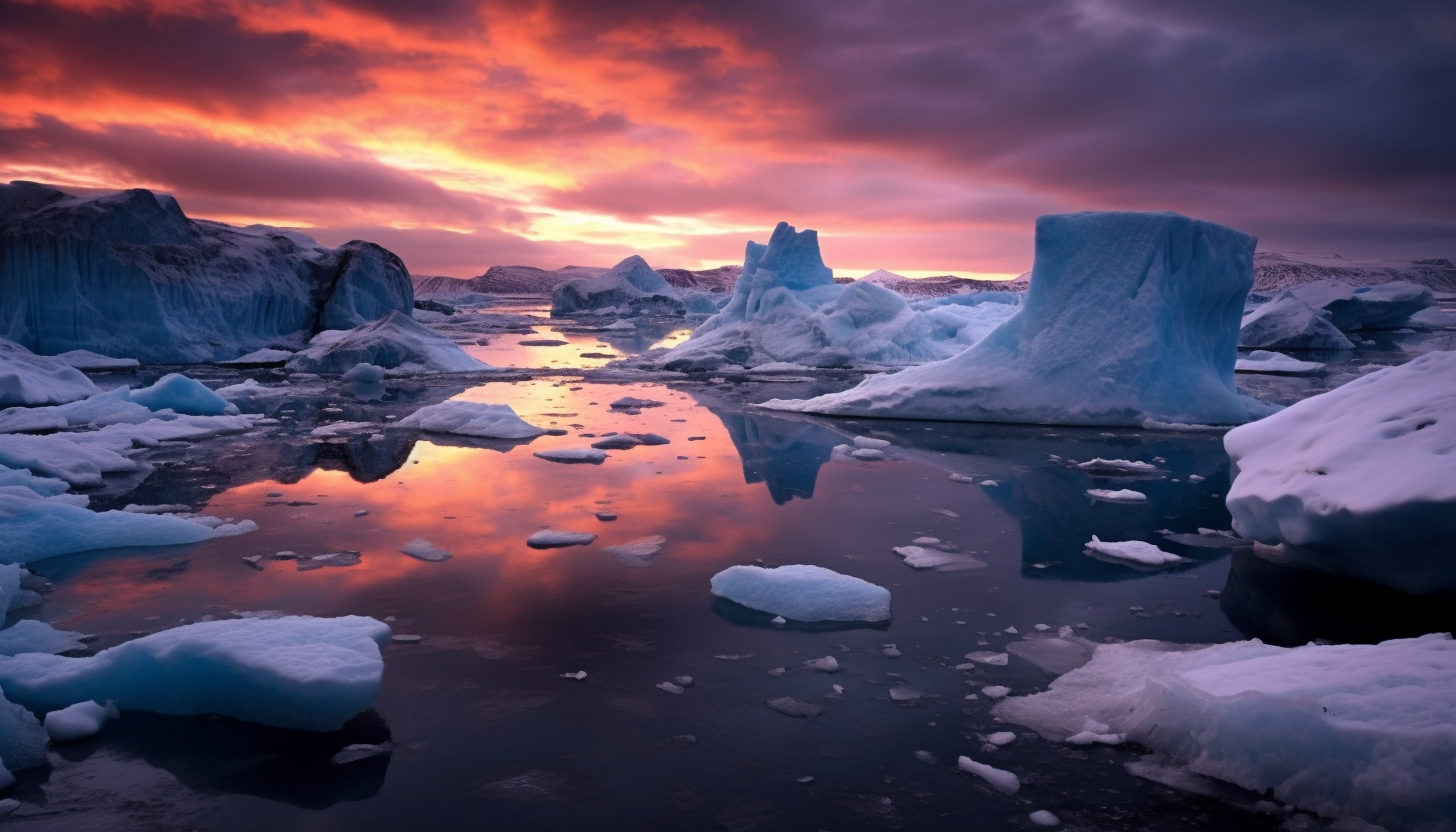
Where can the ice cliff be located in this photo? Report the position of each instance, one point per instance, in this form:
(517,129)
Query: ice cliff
(128,274)
(1131,318)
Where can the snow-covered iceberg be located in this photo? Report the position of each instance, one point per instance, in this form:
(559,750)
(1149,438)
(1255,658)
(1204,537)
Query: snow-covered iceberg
(1349,308)
(394,342)
(489,421)
(290,672)
(630,287)
(1360,480)
(803,593)
(28,379)
(1131,318)
(786,307)
(1363,731)
(1288,323)
(129,274)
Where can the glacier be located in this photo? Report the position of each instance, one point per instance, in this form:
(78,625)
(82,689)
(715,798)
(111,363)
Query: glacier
(1131,318)
(289,672)
(129,274)
(1364,731)
(1360,480)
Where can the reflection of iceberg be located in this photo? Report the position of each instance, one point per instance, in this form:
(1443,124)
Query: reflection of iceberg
(784,454)
(1290,606)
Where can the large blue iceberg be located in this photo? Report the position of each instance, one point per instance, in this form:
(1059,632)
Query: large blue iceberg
(1131,319)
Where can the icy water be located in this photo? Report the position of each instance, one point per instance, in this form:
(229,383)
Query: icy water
(489,735)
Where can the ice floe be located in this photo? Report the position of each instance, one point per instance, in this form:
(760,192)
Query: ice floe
(1288,323)
(489,421)
(557,538)
(1264,361)
(803,593)
(395,342)
(28,379)
(1132,551)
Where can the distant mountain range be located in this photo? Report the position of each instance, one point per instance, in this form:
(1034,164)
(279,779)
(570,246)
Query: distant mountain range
(1275,272)
(529,280)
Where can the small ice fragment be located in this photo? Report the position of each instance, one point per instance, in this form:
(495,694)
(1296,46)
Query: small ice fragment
(1132,551)
(871,443)
(556,538)
(684,681)
(78,721)
(275,493)
(578,675)
(867,454)
(962,478)
(945,512)
(606,516)
(1116,466)
(838,689)
(805,779)
(638,553)
(925,541)
(778,671)
(1000,738)
(926,757)
(361,512)
(1003,780)
(789,706)
(1123,495)
(828,664)
(1194,478)
(990,483)
(996,691)
(669,687)
(778,619)
(1012,630)
(422,549)
(1090,737)
(254,561)
(900,693)
(1042,817)
(593,456)
(360,751)
(405,639)
(989,657)
(891,650)
(633,403)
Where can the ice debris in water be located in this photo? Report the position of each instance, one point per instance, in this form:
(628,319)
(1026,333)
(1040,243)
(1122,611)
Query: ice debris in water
(778,619)
(1042,817)
(803,593)
(1263,361)
(364,374)
(867,454)
(593,456)
(871,442)
(988,657)
(1151,302)
(827,664)
(637,553)
(1116,466)
(78,721)
(1357,730)
(96,362)
(578,675)
(921,558)
(361,751)
(394,342)
(633,403)
(926,757)
(424,550)
(1000,738)
(1122,495)
(28,379)
(31,636)
(789,706)
(290,672)
(348,557)
(669,687)
(995,691)
(556,538)
(1360,480)
(181,394)
(1001,780)
(1132,551)
(487,421)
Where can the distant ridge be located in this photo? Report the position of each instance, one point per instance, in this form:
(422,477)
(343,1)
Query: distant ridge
(529,280)
(1274,272)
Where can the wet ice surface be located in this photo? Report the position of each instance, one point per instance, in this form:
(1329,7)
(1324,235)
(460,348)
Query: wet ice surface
(484,728)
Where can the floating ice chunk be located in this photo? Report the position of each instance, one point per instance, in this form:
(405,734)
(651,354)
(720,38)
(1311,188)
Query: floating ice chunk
(789,706)
(995,691)
(578,675)
(925,541)
(335,429)
(290,672)
(29,379)
(638,553)
(489,421)
(1264,361)
(630,287)
(556,538)
(963,478)
(650,439)
(827,664)
(364,374)
(1383,306)
(901,693)
(867,454)
(803,593)
(1054,654)
(926,757)
(989,657)
(96,362)
(870,442)
(265,357)
(593,456)
(669,687)
(361,751)
(38,527)
(921,558)
(348,557)
(181,394)
(1042,817)
(78,721)
(1288,323)
(1091,737)
(30,636)
(1001,738)
(1124,495)
(1130,317)
(1343,730)
(779,620)
(1360,480)
(1116,466)
(395,342)
(1000,780)
(424,550)
(1132,551)
(633,403)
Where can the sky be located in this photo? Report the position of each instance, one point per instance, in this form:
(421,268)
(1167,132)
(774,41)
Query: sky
(919,137)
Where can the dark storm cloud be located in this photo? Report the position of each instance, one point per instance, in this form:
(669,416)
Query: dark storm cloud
(208,60)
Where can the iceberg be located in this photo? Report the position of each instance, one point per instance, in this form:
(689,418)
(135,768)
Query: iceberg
(394,342)
(1264,361)
(81,458)
(22,740)
(289,672)
(181,394)
(129,274)
(1383,306)
(78,721)
(28,379)
(489,421)
(803,593)
(30,636)
(1360,480)
(1288,323)
(1364,731)
(631,286)
(1131,318)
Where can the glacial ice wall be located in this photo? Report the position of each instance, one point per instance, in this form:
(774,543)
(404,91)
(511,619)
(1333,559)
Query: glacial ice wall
(128,274)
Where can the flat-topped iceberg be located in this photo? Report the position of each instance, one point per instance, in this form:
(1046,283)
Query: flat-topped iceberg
(1360,480)
(630,287)
(289,672)
(1131,318)
(489,421)
(129,274)
(1383,306)
(1288,323)
(27,379)
(803,593)
(395,342)
(1363,731)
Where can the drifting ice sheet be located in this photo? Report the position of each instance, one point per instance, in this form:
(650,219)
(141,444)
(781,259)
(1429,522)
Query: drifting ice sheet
(30,379)
(1288,323)
(803,593)
(489,421)
(395,342)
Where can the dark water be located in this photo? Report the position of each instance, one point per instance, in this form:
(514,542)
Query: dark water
(487,733)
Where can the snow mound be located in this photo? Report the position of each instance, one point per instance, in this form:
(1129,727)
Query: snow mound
(1288,323)
(490,421)
(1264,361)
(290,672)
(1359,480)
(1130,317)
(1365,731)
(630,287)
(787,308)
(1386,306)
(803,593)
(29,379)
(395,342)
(129,274)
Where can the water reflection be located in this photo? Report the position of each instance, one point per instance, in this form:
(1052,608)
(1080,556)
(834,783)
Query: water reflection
(783,454)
